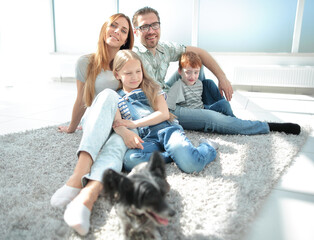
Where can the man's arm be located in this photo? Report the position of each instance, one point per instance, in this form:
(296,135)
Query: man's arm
(209,62)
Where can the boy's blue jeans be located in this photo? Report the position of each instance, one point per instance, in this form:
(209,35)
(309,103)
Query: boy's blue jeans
(217,116)
(213,100)
(170,140)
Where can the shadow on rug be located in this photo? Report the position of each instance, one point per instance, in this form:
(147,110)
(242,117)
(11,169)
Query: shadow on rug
(218,203)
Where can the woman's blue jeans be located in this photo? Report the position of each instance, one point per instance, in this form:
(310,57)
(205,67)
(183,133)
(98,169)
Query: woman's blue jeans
(170,140)
(104,146)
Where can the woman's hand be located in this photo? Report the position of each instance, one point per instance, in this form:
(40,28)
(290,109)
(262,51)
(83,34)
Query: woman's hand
(132,140)
(125,123)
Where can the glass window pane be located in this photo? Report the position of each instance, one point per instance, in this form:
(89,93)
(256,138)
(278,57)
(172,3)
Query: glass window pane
(307,30)
(246,25)
(175,17)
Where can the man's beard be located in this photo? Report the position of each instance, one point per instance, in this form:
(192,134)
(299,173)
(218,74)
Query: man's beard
(151,44)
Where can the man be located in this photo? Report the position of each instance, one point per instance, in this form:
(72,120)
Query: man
(156,57)
(149,38)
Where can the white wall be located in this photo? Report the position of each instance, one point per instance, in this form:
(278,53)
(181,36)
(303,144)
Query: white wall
(26,39)
(78,24)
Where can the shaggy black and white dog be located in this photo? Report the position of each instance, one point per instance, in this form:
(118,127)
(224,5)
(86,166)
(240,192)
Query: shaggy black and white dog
(140,198)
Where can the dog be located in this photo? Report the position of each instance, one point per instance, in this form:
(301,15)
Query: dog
(139,198)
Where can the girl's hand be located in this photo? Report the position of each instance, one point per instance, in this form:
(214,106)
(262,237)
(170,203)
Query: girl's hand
(125,123)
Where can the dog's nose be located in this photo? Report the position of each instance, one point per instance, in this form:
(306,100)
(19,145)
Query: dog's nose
(172,212)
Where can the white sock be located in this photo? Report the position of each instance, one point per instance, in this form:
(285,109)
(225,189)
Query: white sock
(64,196)
(77,217)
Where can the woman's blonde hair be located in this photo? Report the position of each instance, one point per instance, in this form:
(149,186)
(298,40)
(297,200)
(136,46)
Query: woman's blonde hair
(100,60)
(148,85)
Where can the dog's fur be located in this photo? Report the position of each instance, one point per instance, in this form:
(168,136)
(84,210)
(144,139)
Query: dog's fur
(140,198)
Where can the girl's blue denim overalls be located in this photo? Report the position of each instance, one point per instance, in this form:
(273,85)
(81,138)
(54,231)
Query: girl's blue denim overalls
(165,137)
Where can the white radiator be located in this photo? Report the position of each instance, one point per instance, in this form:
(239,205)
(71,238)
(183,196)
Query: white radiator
(274,75)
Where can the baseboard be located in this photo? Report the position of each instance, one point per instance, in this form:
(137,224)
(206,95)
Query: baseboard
(63,79)
(272,89)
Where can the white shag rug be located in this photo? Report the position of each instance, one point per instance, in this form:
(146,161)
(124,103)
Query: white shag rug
(218,203)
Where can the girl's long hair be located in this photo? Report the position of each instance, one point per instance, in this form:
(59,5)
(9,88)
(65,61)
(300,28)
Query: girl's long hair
(148,85)
(100,60)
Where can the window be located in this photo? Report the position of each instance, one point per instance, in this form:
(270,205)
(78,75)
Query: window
(246,25)
(175,17)
(307,30)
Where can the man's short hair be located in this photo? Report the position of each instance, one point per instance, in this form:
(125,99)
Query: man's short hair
(190,59)
(143,11)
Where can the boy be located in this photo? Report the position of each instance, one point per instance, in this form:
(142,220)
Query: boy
(188,91)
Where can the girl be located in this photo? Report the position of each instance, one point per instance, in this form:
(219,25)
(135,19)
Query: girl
(99,149)
(143,106)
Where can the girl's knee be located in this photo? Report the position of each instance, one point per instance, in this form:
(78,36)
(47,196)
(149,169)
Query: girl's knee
(131,159)
(187,160)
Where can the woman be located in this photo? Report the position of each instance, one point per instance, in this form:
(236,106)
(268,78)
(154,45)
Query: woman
(99,148)
(94,70)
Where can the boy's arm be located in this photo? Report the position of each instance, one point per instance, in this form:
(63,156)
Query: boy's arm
(209,62)
(175,95)
(131,139)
